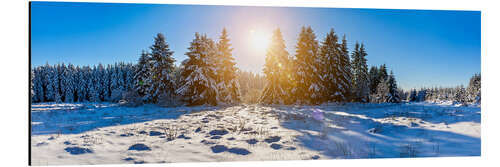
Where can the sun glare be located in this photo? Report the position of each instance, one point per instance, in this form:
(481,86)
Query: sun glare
(260,39)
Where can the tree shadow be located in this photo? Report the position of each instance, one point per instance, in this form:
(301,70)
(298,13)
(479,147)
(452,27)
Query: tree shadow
(79,118)
(351,136)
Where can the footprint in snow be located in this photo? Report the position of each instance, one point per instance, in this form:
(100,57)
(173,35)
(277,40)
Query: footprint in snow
(77,150)
(272,139)
(218,132)
(155,133)
(276,146)
(139,147)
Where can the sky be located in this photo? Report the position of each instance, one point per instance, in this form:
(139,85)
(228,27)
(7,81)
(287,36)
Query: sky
(424,48)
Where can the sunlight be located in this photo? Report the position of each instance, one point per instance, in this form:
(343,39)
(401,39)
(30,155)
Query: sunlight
(260,39)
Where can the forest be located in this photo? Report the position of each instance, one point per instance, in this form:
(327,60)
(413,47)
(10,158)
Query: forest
(318,72)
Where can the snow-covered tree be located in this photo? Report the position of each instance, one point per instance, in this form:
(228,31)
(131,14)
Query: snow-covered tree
(68,84)
(37,84)
(142,76)
(228,86)
(474,89)
(309,88)
(277,72)
(360,74)
(344,79)
(413,96)
(162,66)
(460,95)
(374,79)
(198,84)
(330,56)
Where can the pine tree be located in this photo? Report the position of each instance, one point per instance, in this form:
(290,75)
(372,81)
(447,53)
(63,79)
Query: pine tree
(100,81)
(344,80)
(277,72)
(161,70)
(32,92)
(228,87)
(360,74)
(69,84)
(82,84)
(330,55)
(393,89)
(474,89)
(93,88)
(460,95)
(38,86)
(374,79)
(198,83)
(309,86)
(413,96)
(142,75)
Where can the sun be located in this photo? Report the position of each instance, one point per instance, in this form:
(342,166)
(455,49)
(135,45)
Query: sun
(260,39)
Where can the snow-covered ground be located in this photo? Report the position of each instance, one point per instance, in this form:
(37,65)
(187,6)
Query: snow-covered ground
(108,133)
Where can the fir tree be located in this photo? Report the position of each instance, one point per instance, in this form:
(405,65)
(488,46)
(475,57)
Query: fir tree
(162,66)
(198,84)
(344,79)
(309,86)
(360,74)
(330,55)
(228,87)
(374,79)
(474,89)
(277,72)
(142,75)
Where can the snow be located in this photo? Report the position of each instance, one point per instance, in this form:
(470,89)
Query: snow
(107,133)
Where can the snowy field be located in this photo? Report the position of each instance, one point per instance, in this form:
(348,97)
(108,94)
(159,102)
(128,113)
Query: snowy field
(107,133)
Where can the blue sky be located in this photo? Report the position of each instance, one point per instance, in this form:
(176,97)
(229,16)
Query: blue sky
(422,47)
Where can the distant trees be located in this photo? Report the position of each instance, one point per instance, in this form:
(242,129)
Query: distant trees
(459,94)
(474,89)
(61,83)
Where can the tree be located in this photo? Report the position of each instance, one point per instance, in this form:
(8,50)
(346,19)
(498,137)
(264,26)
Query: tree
(474,89)
(344,79)
(228,86)
(142,76)
(309,88)
(330,55)
(198,83)
(277,72)
(413,96)
(162,66)
(360,74)
(374,79)
(394,96)
(460,95)
(68,83)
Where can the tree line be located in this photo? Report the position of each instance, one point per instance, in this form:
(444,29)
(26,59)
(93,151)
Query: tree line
(460,94)
(318,72)
(208,76)
(323,71)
